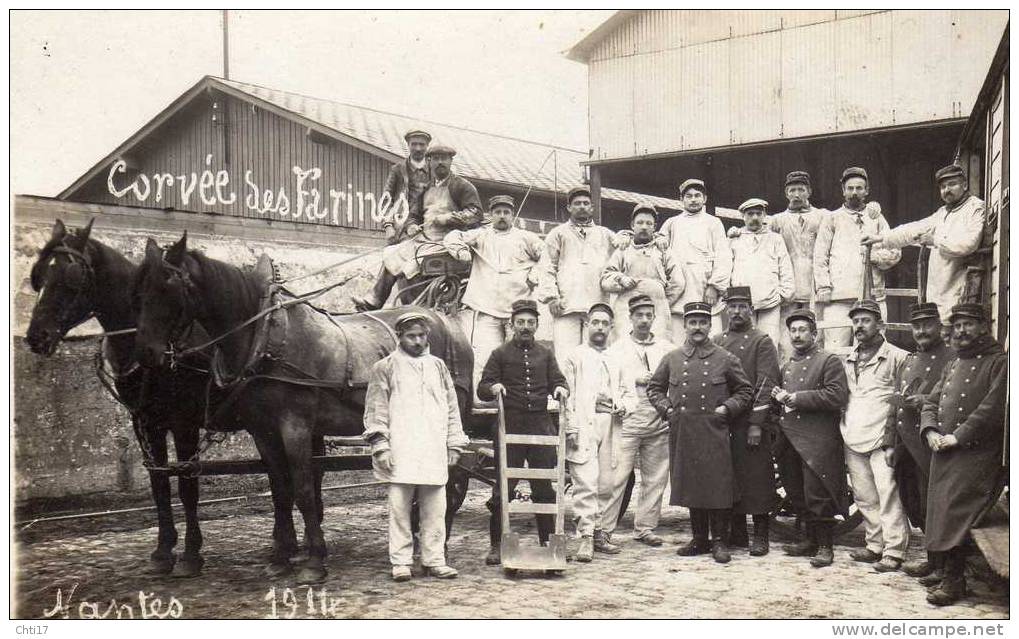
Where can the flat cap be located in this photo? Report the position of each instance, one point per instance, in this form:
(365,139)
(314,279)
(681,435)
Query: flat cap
(753,203)
(600,306)
(803,314)
(973,311)
(927,310)
(440,149)
(524,306)
(692,309)
(417,133)
(638,301)
(797,177)
(577,190)
(854,171)
(644,208)
(692,183)
(738,294)
(410,317)
(862,306)
(507,200)
(952,170)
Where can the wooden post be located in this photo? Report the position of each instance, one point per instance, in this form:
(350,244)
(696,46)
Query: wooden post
(596,193)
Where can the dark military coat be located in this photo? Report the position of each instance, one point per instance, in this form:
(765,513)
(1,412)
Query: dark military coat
(754,468)
(822,392)
(920,373)
(693,382)
(969,402)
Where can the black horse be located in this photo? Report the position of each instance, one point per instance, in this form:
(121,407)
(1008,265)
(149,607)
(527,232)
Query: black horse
(294,375)
(79,278)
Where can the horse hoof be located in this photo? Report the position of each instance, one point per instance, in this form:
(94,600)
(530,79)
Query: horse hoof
(310,575)
(277,569)
(161,565)
(188,567)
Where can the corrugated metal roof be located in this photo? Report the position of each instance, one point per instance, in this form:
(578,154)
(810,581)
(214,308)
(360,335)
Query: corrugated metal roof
(484,156)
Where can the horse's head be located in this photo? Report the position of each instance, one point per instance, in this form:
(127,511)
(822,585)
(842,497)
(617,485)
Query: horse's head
(64,277)
(162,295)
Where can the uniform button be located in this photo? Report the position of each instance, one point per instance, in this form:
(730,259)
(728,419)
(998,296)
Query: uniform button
(962,394)
(704,384)
(702,397)
(928,368)
(967,381)
(900,422)
(684,383)
(801,379)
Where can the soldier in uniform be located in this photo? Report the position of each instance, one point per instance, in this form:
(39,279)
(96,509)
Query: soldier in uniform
(752,434)
(813,393)
(700,389)
(450,203)
(963,420)
(524,373)
(912,455)
(408,178)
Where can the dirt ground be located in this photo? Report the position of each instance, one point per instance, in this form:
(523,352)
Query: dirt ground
(98,568)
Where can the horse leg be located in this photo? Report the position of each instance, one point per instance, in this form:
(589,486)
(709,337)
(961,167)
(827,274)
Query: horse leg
(318,447)
(297,441)
(284,537)
(185,437)
(162,558)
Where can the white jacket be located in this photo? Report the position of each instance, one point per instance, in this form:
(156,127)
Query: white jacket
(838,254)
(760,260)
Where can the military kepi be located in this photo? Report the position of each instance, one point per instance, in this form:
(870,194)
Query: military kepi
(577,190)
(972,311)
(801,314)
(692,309)
(440,149)
(644,208)
(692,183)
(600,306)
(496,200)
(410,317)
(950,171)
(927,310)
(797,177)
(738,294)
(417,133)
(854,171)
(638,301)
(753,203)
(524,306)
(865,306)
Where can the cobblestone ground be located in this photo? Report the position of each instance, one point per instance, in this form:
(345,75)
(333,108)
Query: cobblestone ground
(94,568)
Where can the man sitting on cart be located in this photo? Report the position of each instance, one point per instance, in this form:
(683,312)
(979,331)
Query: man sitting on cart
(450,203)
(524,373)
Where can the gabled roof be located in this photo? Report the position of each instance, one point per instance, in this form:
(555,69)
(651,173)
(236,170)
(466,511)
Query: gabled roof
(480,156)
(581,52)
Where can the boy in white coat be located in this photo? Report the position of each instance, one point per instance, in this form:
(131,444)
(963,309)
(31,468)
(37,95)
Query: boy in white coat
(412,421)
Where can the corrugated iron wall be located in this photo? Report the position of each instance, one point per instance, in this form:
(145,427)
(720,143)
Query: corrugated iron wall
(266,167)
(679,80)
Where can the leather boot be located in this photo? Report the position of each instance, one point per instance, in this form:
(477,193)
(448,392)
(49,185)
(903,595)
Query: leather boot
(932,580)
(807,547)
(379,294)
(738,537)
(825,554)
(494,556)
(719,552)
(699,545)
(917,569)
(602,543)
(720,533)
(953,586)
(759,545)
(585,552)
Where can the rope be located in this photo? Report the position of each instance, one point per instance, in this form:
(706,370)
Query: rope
(531,186)
(332,266)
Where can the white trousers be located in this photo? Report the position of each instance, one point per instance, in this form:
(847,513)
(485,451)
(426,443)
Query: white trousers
(769,322)
(486,333)
(838,310)
(679,330)
(877,496)
(568,332)
(650,455)
(592,480)
(432,510)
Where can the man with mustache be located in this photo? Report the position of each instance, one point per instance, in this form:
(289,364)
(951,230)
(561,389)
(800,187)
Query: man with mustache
(700,389)
(640,269)
(524,373)
(954,232)
(810,401)
(593,402)
(643,440)
(912,455)
(451,202)
(838,256)
(575,255)
(761,263)
(697,242)
(504,267)
(412,420)
(872,369)
(753,433)
(408,179)
(963,421)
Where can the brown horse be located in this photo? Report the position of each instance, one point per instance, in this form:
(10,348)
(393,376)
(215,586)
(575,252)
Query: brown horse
(79,278)
(295,374)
